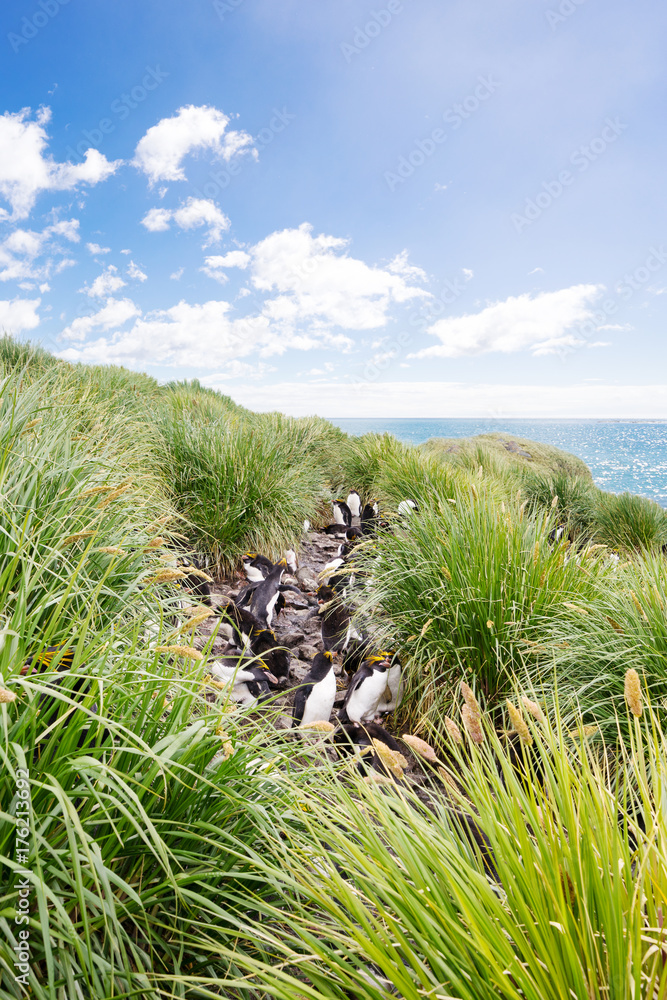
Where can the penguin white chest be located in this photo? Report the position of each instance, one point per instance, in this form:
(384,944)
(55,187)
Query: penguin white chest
(270,607)
(363,702)
(253,574)
(319,704)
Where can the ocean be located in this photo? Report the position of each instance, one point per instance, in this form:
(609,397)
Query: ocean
(621,454)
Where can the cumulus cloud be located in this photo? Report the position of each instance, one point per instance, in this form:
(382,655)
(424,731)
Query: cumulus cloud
(17,315)
(96,249)
(21,250)
(161,151)
(215,266)
(314,292)
(317,281)
(543,324)
(113,314)
(193,213)
(26,169)
(105,284)
(135,273)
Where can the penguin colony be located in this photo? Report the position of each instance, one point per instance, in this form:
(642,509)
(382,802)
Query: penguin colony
(349,669)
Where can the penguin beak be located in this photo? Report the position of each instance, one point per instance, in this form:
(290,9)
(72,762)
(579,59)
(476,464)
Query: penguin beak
(26,669)
(271,677)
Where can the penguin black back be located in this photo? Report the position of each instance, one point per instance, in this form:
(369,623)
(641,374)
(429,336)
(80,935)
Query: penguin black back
(312,690)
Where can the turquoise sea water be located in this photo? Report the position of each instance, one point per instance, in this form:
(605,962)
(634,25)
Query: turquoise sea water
(622,455)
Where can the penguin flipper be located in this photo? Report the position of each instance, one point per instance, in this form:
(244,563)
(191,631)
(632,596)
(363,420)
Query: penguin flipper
(300,699)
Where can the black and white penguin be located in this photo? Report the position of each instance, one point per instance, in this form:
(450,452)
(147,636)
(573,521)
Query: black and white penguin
(354,503)
(57,663)
(292,561)
(245,679)
(314,697)
(356,737)
(369,516)
(342,513)
(394,690)
(249,634)
(407,507)
(256,567)
(335,618)
(557,533)
(366,689)
(265,595)
(352,537)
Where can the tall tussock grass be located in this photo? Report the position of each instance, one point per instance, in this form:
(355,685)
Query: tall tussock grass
(241,484)
(561,892)
(469,588)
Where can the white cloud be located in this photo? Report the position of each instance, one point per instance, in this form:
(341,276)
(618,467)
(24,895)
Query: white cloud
(236,369)
(318,282)
(468,274)
(135,273)
(105,284)
(114,313)
(96,249)
(543,324)
(400,265)
(126,251)
(161,151)
(177,275)
(192,214)
(157,220)
(17,315)
(235,258)
(21,249)
(26,170)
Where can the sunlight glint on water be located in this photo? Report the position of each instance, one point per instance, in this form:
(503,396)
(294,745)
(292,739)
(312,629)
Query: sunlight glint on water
(622,455)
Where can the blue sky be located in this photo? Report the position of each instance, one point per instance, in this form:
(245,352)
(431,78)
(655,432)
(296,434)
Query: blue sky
(410,208)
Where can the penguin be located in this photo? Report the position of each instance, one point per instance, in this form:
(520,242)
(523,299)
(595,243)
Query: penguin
(352,537)
(334,529)
(355,654)
(355,737)
(256,567)
(292,561)
(557,533)
(246,679)
(394,690)
(266,594)
(197,582)
(354,503)
(365,690)
(50,706)
(407,507)
(342,513)
(249,634)
(335,618)
(369,516)
(314,697)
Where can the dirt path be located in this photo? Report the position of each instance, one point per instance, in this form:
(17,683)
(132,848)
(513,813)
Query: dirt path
(298,627)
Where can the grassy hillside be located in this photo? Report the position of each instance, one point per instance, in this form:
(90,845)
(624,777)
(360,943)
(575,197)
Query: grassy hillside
(180,849)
